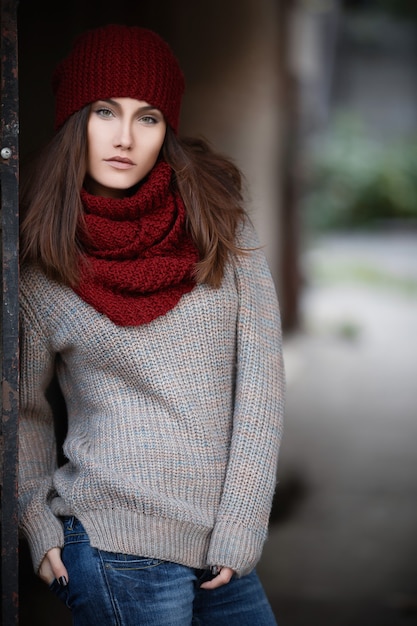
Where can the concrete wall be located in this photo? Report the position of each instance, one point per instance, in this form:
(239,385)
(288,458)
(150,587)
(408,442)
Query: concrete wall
(229,52)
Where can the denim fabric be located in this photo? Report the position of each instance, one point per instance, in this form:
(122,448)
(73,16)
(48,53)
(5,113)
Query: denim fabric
(108,589)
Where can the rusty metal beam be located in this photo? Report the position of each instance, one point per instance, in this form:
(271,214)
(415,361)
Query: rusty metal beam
(9,172)
(290,219)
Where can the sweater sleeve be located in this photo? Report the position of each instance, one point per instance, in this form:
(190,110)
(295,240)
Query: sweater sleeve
(37,447)
(242,522)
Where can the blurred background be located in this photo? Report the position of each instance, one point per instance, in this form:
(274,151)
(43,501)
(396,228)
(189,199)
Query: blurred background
(316,101)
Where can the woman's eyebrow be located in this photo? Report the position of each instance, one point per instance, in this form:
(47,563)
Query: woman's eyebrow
(146,107)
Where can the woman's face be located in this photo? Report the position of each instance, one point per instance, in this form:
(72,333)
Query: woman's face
(125,137)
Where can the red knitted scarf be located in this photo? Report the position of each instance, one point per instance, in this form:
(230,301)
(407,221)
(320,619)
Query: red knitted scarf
(140,256)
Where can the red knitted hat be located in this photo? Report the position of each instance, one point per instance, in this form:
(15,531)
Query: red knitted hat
(117,61)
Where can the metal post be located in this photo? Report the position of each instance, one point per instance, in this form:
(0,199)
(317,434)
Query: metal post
(9,158)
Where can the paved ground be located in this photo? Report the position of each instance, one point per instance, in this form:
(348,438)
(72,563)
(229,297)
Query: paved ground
(343,541)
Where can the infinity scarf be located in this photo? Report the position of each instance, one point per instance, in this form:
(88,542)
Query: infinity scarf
(140,257)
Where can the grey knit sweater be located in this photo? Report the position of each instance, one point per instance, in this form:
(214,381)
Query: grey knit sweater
(173,426)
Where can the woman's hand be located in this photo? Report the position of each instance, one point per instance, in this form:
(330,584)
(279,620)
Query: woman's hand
(222,578)
(52,567)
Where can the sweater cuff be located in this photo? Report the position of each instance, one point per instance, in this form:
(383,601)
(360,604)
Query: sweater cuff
(42,534)
(235,547)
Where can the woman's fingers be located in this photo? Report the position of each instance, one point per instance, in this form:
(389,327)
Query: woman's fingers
(53,567)
(221,579)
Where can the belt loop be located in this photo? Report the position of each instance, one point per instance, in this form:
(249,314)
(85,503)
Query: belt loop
(69,522)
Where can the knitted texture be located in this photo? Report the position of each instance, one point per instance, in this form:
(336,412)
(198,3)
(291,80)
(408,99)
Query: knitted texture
(173,426)
(140,257)
(117,61)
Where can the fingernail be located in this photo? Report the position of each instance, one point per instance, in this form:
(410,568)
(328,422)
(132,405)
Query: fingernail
(63,581)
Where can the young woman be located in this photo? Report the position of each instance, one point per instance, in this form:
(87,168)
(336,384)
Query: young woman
(145,293)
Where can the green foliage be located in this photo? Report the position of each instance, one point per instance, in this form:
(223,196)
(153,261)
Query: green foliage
(399,8)
(355,181)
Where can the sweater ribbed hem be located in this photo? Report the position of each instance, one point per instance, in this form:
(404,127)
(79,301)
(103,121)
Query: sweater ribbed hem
(42,533)
(117,530)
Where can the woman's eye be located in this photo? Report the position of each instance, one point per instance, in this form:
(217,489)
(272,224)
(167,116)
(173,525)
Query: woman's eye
(149,119)
(103,112)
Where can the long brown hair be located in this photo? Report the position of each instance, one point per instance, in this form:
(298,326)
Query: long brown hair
(50,204)
(52,214)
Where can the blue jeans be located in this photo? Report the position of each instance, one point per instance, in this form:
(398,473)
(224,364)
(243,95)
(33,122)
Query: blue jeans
(108,589)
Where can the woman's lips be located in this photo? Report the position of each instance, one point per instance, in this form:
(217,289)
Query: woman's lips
(121,163)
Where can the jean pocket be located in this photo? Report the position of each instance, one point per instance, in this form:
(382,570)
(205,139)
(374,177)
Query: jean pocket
(59,591)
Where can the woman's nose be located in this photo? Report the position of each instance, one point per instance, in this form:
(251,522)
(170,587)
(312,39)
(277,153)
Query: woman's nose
(124,137)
